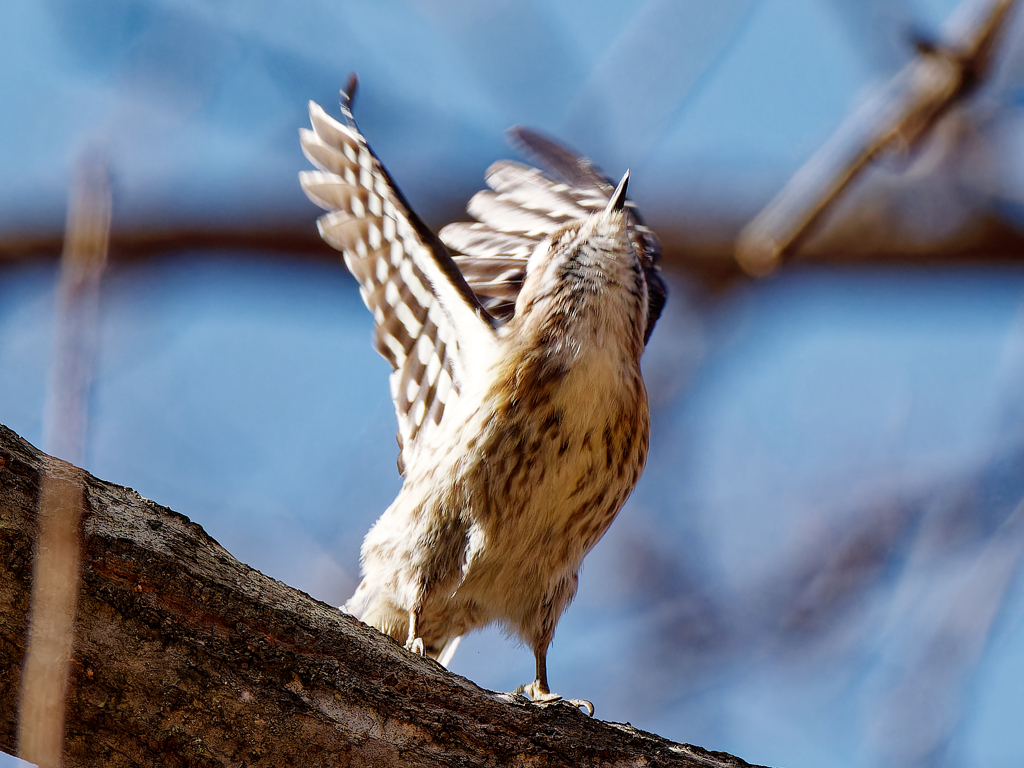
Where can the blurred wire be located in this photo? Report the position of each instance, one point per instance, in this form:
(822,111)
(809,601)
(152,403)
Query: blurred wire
(663,53)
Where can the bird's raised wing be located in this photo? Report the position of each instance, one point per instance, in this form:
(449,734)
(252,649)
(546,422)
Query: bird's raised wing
(429,323)
(523,207)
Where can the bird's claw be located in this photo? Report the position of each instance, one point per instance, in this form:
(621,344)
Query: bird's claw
(538,695)
(582,704)
(416,646)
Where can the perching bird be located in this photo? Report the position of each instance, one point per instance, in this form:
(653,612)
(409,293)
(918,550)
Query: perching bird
(522,413)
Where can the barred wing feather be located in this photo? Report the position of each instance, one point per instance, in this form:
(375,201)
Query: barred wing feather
(522,208)
(429,323)
(435,311)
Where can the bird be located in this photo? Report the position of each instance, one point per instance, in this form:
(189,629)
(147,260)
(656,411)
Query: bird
(515,342)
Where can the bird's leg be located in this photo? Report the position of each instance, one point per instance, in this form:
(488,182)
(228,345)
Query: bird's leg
(538,690)
(414,642)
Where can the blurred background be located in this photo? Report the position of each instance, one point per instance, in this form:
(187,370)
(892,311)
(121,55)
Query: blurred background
(820,566)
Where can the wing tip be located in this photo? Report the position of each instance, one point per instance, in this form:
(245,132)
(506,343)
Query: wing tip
(348,93)
(315,110)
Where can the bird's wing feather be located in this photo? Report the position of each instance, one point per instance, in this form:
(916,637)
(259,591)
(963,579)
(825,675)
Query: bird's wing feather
(523,207)
(430,325)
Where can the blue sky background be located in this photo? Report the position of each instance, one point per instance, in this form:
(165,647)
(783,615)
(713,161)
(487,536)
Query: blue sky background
(835,454)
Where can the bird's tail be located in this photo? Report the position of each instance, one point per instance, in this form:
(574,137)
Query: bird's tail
(444,658)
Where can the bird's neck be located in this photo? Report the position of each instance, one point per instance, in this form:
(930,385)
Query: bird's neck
(587,322)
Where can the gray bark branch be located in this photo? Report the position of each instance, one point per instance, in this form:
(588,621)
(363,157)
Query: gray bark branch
(184,656)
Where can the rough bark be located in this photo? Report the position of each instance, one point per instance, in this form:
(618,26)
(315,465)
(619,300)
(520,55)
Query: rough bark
(186,657)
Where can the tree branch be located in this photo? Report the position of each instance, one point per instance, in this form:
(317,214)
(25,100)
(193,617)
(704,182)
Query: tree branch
(184,656)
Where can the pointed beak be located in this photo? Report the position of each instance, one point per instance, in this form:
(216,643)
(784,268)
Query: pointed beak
(618,196)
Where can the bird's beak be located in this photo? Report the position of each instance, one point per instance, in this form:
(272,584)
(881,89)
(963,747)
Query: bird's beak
(618,196)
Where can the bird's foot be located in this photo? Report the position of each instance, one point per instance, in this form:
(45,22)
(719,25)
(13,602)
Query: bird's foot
(582,704)
(416,646)
(541,695)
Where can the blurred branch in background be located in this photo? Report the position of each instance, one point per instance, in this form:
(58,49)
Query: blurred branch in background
(55,575)
(931,571)
(75,326)
(933,683)
(898,119)
(133,245)
(630,126)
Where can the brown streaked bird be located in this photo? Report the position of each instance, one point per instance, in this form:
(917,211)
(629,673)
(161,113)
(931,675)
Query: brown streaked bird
(522,413)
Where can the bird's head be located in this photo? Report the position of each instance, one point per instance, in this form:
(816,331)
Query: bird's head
(585,254)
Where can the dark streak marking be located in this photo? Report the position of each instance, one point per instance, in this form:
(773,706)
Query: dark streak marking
(608,444)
